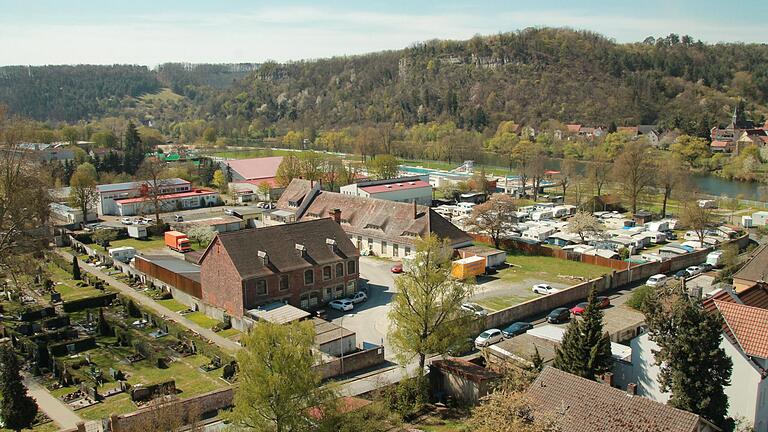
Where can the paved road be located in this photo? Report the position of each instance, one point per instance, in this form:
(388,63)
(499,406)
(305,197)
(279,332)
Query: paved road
(55,409)
(224,343)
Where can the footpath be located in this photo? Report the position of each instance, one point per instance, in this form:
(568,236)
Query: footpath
(55,409)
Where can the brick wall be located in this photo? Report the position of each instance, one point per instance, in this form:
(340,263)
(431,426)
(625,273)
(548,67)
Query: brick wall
(352,362)
(220,281)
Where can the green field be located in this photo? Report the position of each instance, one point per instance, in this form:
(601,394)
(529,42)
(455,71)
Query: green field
(548,269)
(64,284)
(173,305)
(503,302)
(201,319)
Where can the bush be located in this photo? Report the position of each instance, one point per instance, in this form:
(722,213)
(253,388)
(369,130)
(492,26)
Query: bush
(408,397)
(639,297)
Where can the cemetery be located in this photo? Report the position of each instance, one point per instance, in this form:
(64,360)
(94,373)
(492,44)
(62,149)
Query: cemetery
(99,352)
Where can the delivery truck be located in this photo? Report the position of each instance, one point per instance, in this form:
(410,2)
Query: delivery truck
(468,267)
(177,241)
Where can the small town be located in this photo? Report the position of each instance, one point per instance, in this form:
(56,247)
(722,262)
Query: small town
(442,236)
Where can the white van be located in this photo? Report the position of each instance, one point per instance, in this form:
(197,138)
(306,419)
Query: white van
(715,259)
(656,280)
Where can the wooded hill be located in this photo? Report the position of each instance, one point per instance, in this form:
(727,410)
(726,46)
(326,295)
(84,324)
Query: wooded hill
(531,76)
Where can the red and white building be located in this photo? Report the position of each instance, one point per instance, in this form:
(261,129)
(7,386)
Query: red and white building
(404,189)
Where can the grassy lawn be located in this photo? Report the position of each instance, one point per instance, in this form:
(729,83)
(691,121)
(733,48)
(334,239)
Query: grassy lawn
(231,333)
(502,302)
(548,269)
(173,305)
(140,245)
(164,95)
(68,287)
(201,319)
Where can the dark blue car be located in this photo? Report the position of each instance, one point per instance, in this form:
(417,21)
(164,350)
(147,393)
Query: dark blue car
(517,328)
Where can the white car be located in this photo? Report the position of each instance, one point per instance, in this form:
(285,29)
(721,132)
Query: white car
(489,337)
(229,212)
(544,289)
(358,297)
(656,280)
(475,309)
(126,221)
(694,270)
(343,305)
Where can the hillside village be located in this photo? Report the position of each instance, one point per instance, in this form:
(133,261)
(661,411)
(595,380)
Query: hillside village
(542,230)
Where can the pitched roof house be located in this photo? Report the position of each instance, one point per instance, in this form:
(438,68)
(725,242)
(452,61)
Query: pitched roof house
(754,271)
(580,405)
(305,263)
(382,227)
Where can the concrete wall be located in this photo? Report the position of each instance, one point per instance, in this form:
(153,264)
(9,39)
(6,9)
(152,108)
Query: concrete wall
(354,362)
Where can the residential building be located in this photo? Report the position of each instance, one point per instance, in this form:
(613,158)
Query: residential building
(579,404)
(404,189)
(109,194)
(305,264)
(381,227)
(65,215)
(745,324)
(753,272)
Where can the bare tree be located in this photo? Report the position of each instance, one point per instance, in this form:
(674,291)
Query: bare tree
(697,218)
(83,193)
(633,170)
(152,171)
(567,174)
(598,173)
(494,217)
(669,175)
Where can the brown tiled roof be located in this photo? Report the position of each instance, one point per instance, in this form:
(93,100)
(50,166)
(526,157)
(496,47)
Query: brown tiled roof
(573,128)
(395,221)
(748,325)
(279,243)
(295,193)
(580,405)
(756,269)
(756,296)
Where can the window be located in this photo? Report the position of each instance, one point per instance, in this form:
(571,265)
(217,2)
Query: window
(309,277)
(261,287)
(339,292)
(326,272)
(339,270)
(395,250)
(407,250)
(351,268)
(351,285)
(383,247)
(359,242)
(327,294)
(284,283)
(370,244)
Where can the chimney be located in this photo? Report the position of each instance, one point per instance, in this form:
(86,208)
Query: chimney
(608,378)
(415,209)
(264,257)
(302,249)
(632,389)
(331,244)
(335,214)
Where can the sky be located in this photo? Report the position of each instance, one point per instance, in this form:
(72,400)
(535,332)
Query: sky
(35,32)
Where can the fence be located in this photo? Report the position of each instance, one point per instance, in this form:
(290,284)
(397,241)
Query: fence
(615,279)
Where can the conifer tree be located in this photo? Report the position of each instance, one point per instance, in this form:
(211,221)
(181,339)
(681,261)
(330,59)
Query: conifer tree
(75,269)
(692,365)
(17,408)
(585,350)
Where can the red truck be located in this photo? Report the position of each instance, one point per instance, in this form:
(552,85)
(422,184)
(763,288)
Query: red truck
(177,241)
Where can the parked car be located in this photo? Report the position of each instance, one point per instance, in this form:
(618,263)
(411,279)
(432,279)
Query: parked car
(670,235)
(656,280)
(229,212)
(544,289)
(559,315)
(343,305)
(488,337)
(178,218)
(516,328)
(474,308)
(358,297)
(693,270)
(706,267)
(397,268)
(603,302)
(126,221)
(682,274)
(579,308)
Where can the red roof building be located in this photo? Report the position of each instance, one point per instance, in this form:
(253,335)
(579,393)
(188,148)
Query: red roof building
(254,168)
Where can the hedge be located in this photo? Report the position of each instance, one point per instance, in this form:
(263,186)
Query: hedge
(89,302)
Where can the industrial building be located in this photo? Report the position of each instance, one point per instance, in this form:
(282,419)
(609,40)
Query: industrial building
(404,189)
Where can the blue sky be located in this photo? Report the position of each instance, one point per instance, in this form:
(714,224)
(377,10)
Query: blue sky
(153,32)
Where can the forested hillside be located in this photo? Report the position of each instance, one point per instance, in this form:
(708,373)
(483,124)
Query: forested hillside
(534,76)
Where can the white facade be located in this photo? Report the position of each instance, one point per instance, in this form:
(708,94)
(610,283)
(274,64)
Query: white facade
(410,189)
(382,247)
(110,193)
(759,218)
(70,216)
(747,394)
(168,204)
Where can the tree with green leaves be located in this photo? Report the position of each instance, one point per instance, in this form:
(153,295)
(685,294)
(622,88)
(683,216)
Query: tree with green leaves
(586,349)
(289,169)
(425,314)
(219,180)
(133,148)
(83,194)
(76,269)
(104,236)
(17,408)
(278,386)
(692,365)
(265,191)
(383,167)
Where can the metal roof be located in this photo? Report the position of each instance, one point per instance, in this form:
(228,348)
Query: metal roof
(114,187)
